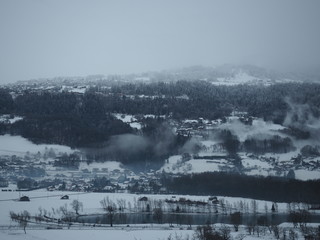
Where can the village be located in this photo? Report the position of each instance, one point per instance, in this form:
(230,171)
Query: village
(72,171)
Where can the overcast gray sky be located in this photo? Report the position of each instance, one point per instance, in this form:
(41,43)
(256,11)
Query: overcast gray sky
(48,38)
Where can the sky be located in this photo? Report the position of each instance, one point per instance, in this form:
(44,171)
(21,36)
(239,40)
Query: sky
(50,38)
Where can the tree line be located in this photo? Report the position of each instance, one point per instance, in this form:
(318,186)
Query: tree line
(85,120)
(210,101)
(228,184)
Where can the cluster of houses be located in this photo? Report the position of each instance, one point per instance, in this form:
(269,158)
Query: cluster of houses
(45,166)
(202,127)
(13,167)
(112,181)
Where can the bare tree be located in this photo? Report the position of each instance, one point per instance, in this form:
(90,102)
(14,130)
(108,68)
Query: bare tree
(110,208)
(206,233)
(236,220)
(292,235)
(225,232)
(157,211)
(122,204)
(171,219)
(276,231)
(189,220)
(254,207)
(158,214)
(228,207)
(262,221)
(223,206)
(275,206)
(251,227)
(299,217)
(21,218)
(76,206)
(266,210)
(66,214)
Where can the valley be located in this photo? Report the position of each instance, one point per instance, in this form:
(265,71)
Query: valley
(161,154)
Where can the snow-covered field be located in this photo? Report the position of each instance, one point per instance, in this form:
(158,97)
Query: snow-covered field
(252,166)
(17,145)
(130,119)
(106,166)
(240,77)
(93,234)
(176,165)
(139,233)
(91,201)
(7,119)
(304,174)
(125,117)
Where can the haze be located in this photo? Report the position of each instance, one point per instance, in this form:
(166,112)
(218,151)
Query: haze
(42,38)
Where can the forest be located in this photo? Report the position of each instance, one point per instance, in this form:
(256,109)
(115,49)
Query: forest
(229,184)
(87,120)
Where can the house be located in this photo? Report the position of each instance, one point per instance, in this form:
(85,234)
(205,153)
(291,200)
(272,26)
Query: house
(144,199)
(24,199)
(65,197)
(214,200)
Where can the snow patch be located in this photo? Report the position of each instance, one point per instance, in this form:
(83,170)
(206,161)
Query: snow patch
(126,118)
(15,145)
(7,119)
(136,125)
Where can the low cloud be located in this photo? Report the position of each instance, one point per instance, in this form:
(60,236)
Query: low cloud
(128,143)
(301,116)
